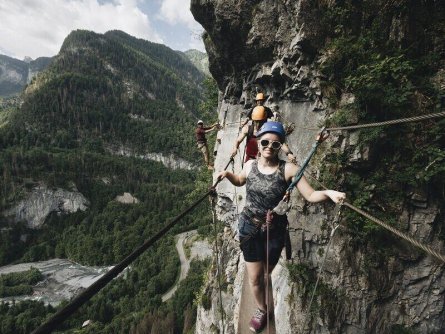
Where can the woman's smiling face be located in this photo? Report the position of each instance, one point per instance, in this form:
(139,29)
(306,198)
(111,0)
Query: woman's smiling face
(268,151)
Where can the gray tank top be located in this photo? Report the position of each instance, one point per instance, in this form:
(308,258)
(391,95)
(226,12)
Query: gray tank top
(264,192)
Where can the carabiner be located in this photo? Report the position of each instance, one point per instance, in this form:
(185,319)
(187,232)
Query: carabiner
(322,135)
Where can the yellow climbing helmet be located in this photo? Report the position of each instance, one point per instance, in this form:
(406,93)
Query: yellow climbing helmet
(259,113)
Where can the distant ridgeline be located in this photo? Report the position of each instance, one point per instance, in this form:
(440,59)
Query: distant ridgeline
(103,93)
(15,74)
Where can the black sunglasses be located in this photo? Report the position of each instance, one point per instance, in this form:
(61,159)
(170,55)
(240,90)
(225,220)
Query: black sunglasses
(276,145)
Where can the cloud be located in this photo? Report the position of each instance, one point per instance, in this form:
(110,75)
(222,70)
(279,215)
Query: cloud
(38,28)
(178,11)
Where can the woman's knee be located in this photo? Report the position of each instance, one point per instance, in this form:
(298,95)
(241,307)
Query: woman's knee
(256,279)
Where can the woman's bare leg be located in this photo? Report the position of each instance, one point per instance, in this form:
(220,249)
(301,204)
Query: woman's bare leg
(255,273)
(267,278)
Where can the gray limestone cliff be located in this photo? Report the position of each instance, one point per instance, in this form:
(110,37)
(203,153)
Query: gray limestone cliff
(277,47)
(168,160)
(15,74)
(42,201)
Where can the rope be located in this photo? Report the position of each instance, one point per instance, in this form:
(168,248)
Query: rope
(337,218)
(302,127)
(400,234)
(390,122)
(235,193)
(376,124)
(231,123)
(61,315)
(225,117)
(303,166)
(218,271)
(268,222)
(322,136)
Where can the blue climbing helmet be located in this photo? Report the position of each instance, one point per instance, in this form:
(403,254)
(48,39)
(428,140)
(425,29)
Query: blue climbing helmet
(272,127)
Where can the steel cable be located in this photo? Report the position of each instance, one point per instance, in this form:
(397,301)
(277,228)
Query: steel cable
(390,122)
(218,266)
(400,234)
(56,320)
(376,124)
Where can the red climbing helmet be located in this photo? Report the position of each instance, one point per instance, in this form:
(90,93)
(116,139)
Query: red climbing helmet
(272,127)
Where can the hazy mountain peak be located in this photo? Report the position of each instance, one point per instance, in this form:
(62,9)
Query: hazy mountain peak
(199,59)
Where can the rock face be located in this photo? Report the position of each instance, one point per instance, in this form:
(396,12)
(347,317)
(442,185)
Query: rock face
(275,46)
(42,201)
(169,161)
(15,74)
(126,198)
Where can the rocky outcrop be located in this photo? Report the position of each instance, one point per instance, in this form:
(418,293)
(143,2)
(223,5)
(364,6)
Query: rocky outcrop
(209,315)
(15,74)
(169,160)
(126,198)
(42,201)
(276,47)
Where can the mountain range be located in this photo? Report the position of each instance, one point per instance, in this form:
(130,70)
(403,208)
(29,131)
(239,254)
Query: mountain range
(90,126)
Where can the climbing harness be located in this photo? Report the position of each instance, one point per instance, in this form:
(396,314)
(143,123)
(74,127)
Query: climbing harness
(331,237)
(218,264)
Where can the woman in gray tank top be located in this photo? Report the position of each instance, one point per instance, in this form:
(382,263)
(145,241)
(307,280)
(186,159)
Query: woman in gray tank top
(266,180)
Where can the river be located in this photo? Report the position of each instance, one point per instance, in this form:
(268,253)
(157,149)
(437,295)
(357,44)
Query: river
(63,279)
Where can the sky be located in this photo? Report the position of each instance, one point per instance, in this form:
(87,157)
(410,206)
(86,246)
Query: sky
(36,28)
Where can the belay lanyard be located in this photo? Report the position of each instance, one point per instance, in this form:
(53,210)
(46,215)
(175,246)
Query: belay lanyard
(282,207)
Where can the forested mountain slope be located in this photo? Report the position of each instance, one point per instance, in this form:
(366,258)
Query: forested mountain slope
(102,94)
(115,88)
(199,59)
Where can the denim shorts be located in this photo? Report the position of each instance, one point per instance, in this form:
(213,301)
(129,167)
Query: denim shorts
(253,241)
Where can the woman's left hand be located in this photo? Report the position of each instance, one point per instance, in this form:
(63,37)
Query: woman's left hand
(336,196)
(221,175)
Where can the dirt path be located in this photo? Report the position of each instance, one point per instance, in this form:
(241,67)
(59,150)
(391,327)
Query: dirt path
(185,264)
(248,307)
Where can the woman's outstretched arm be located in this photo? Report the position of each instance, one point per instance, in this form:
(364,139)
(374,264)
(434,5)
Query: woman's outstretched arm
(308,192)
(237,179)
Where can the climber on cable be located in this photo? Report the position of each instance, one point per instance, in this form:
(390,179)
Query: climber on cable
(259,101)
(259,116)
(267,179)
(201,140)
